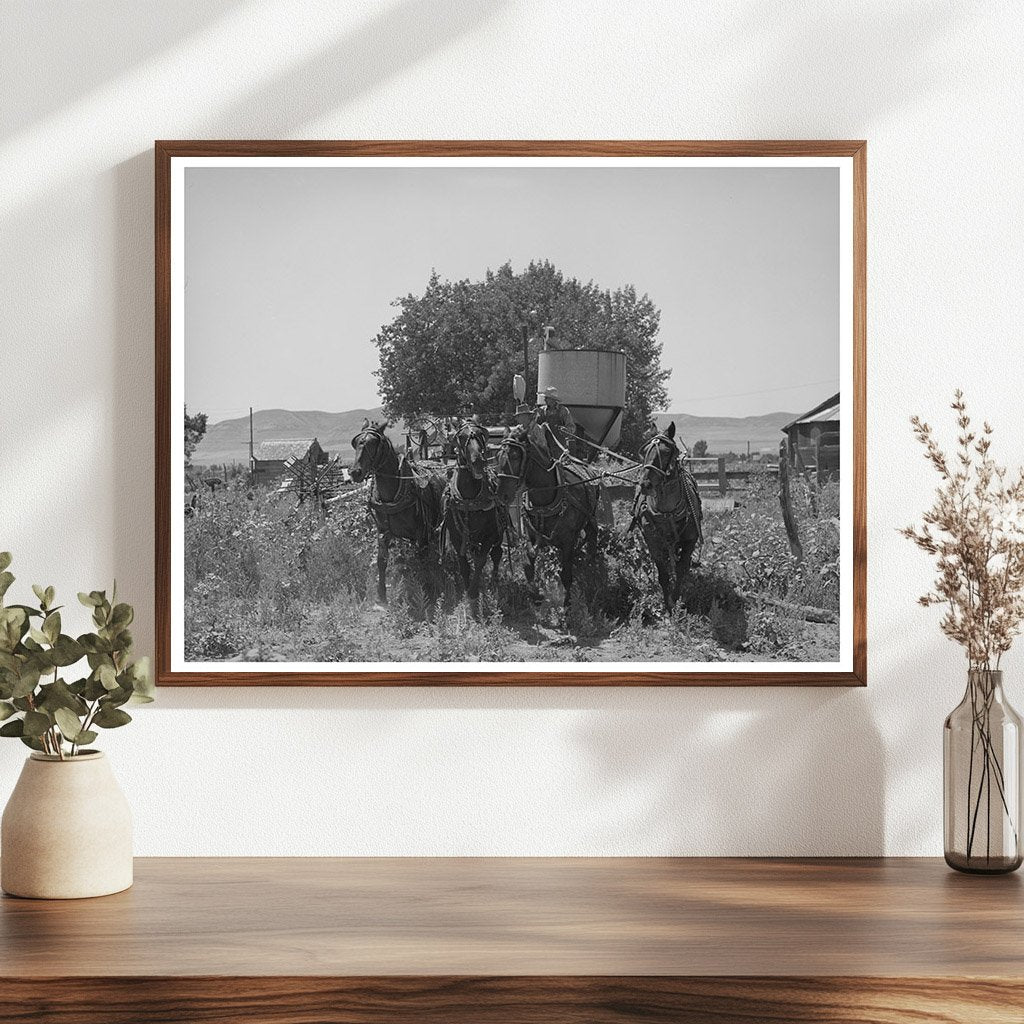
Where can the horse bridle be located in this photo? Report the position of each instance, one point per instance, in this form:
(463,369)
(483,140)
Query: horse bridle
(359,441)
(466,433)
(674,459)
(526,451)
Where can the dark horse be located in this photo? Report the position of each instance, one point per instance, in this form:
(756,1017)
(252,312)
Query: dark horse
(560,499)
(405,502)
(473,522)
(667,508)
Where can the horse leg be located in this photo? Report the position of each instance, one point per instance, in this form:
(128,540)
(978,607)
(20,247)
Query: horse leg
(687,546)
(479,561)
(383,544)
(566,553)
(590,528)
(663,563)
(496,553)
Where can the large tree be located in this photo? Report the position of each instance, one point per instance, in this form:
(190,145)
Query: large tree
(457,346)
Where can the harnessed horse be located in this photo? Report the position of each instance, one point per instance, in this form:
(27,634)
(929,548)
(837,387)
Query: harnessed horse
(472,521)
(667,508)
(405,503)
(560,497)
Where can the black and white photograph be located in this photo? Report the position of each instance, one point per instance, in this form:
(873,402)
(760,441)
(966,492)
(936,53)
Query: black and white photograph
(498,414)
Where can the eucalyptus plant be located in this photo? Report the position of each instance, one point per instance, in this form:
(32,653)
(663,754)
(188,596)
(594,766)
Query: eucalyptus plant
(37,704)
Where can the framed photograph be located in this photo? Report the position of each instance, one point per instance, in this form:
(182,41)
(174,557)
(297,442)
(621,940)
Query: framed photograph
(493,413)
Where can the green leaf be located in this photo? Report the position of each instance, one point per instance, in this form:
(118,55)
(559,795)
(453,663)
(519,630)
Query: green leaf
(86,736)
(27,682)
(28,610)
(94,689)
(69,724)
(59,695)
(50,595)
(38,635)
(12,627)
(31,741)
(122,615)
(13,728)
(107,676)
(123,694)
(5,560)
(40,592)
(94,644)
(51,626)
(142,678)
(89,600)
(109,718)
(6,579)
(6,710)
(67,651)
(36,723)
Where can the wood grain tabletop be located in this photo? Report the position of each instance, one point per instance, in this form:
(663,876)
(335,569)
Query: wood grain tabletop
(512,916)
(573,940)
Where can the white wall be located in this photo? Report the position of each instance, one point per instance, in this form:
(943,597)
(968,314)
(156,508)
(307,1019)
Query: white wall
(935,87)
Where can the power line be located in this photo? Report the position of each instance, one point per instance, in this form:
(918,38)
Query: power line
(763,391)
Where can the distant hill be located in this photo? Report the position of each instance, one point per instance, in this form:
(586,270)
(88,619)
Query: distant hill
(729,433)
(228,441)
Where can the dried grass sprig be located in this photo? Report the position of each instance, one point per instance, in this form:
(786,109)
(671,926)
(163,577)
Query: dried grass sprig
(975,531)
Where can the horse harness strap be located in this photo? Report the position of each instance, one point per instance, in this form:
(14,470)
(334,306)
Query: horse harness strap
(411,488)
(483,502)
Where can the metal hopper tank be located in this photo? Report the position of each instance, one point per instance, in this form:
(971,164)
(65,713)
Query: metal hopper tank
(591,382)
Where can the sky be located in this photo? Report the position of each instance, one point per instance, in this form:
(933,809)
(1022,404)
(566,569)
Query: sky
(291,272)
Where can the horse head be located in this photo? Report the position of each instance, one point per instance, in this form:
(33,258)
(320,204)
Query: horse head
(471,444)
(660,460)
(373,447)
(522,445)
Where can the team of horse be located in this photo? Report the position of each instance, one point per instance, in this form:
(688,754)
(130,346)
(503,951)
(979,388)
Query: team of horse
(468,510)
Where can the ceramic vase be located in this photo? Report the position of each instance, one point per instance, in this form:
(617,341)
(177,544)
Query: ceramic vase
(66,831)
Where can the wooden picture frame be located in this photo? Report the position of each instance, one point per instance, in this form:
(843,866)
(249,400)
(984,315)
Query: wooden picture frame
(848,156)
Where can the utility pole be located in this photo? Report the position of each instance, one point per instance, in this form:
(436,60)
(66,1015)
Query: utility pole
(252,462)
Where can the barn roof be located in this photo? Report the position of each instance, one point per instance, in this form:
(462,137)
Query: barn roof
(826,412)
(272,451)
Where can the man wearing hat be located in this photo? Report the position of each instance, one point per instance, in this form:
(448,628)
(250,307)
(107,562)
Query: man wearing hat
(556,416)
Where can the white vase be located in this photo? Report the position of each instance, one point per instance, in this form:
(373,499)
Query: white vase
(66,831)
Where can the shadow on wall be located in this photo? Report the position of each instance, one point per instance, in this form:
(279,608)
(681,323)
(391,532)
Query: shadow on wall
(739,771)
(691,771)
(383,46)
(47,47)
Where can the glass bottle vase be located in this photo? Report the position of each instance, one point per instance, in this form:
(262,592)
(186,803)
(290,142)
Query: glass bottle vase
(981,771)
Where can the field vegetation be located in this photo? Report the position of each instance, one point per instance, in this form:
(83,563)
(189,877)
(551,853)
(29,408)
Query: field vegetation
(266,580)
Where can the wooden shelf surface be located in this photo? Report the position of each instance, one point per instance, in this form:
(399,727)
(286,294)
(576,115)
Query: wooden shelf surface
(377,935)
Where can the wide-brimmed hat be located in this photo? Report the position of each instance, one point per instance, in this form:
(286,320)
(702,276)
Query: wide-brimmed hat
(550,393)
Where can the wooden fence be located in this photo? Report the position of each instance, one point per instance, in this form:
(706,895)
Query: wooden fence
(714,473)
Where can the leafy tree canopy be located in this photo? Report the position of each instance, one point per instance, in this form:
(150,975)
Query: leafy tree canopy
(456,347)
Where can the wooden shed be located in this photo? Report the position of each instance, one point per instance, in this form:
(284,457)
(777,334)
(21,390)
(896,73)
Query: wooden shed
(270,457)
(812,442)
